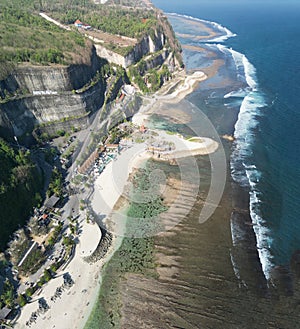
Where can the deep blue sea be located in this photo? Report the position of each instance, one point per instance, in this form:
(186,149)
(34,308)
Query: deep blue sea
(266,154)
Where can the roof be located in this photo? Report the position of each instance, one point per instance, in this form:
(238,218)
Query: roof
(78,22)
(52,201)
(4,312)
(112,146)
(45,216)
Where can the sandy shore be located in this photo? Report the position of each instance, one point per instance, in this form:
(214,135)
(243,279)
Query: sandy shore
(69,311)
(186,85)
(109,186)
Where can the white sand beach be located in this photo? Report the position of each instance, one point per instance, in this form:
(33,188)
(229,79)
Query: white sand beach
(70,309)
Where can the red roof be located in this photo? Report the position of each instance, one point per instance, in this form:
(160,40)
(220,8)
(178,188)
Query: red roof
(78,22)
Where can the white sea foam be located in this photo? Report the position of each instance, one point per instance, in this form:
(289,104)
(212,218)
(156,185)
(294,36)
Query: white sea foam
(226,32)
(250,73)
(242,171)
(236,270)
(263,236)
(240,93)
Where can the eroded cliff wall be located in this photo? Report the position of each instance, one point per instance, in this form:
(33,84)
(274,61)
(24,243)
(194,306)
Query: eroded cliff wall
(24,114)
(29,78)
(148,44)
(40,95)
(151,43)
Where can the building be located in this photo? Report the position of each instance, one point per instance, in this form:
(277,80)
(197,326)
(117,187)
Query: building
(78,23)
(110,147)
(86,27)
(4,313)
(90,161)
(51,202)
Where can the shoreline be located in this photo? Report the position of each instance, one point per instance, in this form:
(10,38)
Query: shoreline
(80,308)
(188,83)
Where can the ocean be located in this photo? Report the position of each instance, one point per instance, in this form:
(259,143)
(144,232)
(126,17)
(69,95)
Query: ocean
(240,268)
(265,157)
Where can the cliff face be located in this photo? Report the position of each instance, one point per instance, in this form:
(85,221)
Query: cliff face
(23,114)
(47,96)
(148,44)
(30,78)
(156,60)
(110,55)
(35,95)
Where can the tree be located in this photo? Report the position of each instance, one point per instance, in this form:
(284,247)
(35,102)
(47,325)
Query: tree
(54,267)
(29,292)
(8,294)
(72,229)
(68,241)
(22,301)
(47,275)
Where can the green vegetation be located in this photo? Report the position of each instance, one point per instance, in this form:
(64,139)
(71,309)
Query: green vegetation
(56,183)
(29,292)
(128,22)
(47,275)
(116,134)
(56,232)
(20,183)
(32,262)
(27,37)
(148,80)
(68,241)
(8,295)
(22,300)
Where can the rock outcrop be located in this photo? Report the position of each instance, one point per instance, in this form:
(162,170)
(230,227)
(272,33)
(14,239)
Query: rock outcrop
(148,44)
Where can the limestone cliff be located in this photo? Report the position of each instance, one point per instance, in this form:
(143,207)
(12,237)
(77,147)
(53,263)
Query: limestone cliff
(30,79)
(150,43)
(39,95)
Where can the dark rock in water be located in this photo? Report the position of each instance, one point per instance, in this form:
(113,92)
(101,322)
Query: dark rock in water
(295,263)
(283,280)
